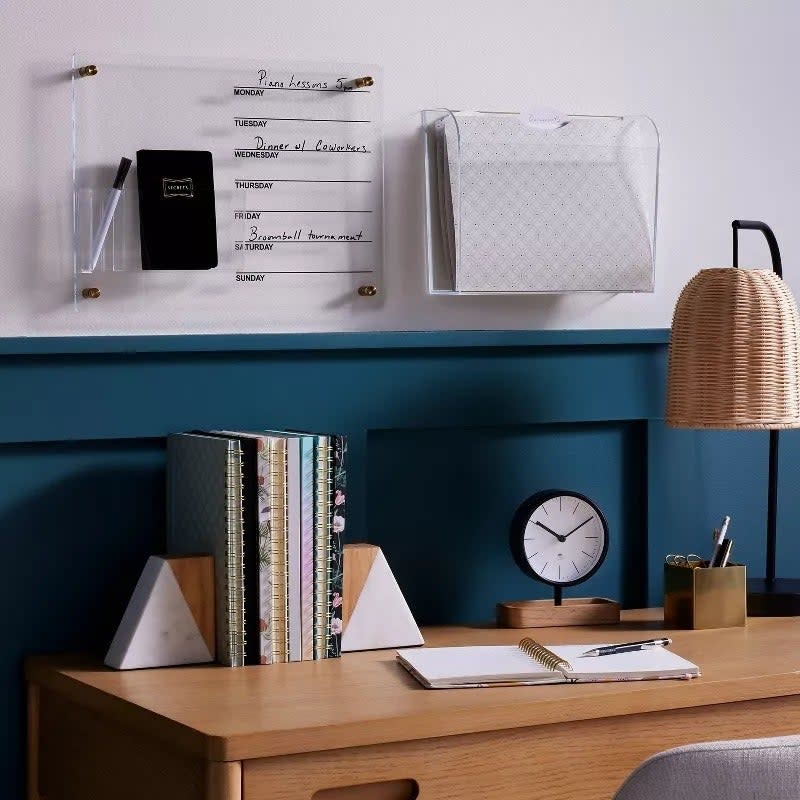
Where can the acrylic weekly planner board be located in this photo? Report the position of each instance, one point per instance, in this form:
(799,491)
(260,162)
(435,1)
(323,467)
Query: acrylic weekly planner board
(298,160)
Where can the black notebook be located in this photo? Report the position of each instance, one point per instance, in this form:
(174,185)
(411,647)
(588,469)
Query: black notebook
(177,216)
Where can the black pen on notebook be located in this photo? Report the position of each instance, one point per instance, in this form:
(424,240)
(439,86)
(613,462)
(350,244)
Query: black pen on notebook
(626,647)
(108,211)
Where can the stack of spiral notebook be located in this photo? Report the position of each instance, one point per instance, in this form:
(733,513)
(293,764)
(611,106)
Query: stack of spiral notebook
(270,507)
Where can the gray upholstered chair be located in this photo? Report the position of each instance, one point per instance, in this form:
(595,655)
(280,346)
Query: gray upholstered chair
(747,769)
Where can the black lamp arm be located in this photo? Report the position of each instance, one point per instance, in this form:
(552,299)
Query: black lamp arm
(772,242)
(772,486)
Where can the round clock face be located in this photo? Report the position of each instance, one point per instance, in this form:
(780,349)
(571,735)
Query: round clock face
(559,537)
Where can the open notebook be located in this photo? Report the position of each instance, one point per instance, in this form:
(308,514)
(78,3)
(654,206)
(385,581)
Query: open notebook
(531,663)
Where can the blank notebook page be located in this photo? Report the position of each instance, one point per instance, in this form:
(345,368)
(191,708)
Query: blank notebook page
(655,662)
(453,665)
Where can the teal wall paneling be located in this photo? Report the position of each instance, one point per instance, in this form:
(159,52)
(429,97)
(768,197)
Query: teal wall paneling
(288,342)
(696,477)
(440,502)
(449,431)
(77,522)
(112,395)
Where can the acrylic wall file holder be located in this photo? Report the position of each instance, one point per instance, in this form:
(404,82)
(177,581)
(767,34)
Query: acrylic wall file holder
(298,164)
(514,209)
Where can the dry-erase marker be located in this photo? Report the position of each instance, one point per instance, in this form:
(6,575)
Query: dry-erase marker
(108,211)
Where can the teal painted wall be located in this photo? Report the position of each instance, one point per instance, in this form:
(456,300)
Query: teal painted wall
(449,432)
(439,502)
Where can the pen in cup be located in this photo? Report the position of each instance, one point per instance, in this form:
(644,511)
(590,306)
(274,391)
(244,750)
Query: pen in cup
(719,538)
(726,552)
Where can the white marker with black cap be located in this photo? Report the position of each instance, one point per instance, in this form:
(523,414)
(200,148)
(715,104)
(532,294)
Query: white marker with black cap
(719,541)
(108,212)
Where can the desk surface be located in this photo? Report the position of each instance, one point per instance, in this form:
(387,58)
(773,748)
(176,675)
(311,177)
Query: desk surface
(228,714)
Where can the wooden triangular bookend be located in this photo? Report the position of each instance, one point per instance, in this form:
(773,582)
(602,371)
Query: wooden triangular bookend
(375,613)
(170,617)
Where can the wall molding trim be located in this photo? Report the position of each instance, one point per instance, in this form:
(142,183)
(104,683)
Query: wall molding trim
(380,340)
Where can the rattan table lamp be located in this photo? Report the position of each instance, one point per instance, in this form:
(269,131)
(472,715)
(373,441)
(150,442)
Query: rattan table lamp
(734,363)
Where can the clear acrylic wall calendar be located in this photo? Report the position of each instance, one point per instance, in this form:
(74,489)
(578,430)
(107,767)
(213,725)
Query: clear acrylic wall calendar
(298,164)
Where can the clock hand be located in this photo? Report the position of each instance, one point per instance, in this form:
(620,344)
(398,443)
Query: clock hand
(579,526)
(550,530)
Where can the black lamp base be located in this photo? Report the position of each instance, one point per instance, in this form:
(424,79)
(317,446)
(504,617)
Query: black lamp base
(778,598)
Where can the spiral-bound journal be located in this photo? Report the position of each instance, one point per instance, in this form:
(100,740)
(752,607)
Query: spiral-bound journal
(329,513)
(322,509)
(530,663)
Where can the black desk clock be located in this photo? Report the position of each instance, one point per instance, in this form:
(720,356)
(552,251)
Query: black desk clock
(559,537)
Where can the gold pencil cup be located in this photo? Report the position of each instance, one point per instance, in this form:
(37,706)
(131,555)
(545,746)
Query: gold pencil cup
(703,598)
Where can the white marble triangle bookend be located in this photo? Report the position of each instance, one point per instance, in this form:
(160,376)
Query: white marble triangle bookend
(376,614)
(169,619)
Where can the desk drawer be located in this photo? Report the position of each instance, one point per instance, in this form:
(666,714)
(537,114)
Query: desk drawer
(78,753)
(585,760)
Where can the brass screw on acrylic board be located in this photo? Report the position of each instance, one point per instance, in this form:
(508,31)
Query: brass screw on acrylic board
(367,291)
(358,83)
(88,70)
(91,293)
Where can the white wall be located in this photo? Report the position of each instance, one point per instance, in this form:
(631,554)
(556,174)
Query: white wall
(718,76)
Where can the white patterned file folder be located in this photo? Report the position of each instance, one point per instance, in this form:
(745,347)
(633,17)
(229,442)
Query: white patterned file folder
(519,209)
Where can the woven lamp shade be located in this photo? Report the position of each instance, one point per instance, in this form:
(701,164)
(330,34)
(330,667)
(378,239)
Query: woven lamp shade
(734,357)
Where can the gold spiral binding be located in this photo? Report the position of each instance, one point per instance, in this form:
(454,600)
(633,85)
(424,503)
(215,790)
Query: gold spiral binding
(330,555)
(279,522)
(235,557)
(321,569)
(541,655)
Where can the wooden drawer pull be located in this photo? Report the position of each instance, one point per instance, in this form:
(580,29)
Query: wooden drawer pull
(403,789)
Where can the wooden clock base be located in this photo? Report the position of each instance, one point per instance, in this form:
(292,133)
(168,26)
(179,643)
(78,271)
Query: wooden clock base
(546,614)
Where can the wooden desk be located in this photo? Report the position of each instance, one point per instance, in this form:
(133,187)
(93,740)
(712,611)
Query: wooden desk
(289,731)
